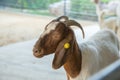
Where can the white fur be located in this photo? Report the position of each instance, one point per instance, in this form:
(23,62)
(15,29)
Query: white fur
(110,23)
(110,9)
(98,52)
(118,11)
(58,7)
(118,15)
(50,27)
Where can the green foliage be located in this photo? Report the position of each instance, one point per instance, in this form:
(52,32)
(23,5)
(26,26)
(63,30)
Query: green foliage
(82,5)
(53,1)
(105,1)
(75,5)
(38,4)
(28,4)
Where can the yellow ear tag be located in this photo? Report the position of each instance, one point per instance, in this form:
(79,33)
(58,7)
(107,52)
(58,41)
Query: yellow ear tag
(66,45)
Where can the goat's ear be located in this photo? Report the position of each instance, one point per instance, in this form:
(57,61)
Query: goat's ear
(59,58)
(61,51)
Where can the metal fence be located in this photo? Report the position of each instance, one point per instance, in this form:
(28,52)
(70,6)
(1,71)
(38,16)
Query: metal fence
(81,9)
(111,72)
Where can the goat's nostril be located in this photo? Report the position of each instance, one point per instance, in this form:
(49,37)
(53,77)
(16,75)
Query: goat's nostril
(35,50)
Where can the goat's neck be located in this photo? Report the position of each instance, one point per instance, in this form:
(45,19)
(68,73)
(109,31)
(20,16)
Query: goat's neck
(73,63)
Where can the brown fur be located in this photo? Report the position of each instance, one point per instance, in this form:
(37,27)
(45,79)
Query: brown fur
(54,41)
(49,42)
(72,56)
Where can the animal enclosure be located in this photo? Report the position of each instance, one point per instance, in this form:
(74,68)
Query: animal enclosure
(21,24)
(74,8)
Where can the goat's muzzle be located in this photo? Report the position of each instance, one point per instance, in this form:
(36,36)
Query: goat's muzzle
(37,53)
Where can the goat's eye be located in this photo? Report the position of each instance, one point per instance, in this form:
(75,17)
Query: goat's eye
(43,40)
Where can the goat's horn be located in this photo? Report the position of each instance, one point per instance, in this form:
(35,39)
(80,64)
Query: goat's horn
(58,19)
(74,23)
(62,17)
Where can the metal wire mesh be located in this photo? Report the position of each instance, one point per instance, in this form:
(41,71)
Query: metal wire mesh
(81,9)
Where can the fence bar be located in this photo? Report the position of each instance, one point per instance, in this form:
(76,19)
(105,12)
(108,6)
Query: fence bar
(112,72)
(65,7)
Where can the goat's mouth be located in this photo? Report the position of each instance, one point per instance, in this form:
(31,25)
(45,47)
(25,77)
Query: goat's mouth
(38,55)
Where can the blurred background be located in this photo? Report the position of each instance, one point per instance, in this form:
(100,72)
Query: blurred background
(73,8)
(20,14)
(22,22)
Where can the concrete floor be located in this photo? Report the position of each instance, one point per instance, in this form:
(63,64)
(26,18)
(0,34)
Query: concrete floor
(18,63)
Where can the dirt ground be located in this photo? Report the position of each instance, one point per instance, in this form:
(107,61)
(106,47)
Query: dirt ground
(16,27)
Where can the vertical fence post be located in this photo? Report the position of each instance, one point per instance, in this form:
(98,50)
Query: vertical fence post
(22,5)
(65,7)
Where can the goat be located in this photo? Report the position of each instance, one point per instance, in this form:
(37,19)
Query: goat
(110,22)
(112,11)
(110,8)
(80,60)
(118,15)
(57,8)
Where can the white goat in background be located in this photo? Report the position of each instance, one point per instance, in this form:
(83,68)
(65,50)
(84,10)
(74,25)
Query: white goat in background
(118,15)
(57,8)
(110,23)
(111,11)
(110,8)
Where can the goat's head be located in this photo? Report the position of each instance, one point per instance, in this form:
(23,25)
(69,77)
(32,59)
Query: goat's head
(56,34)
